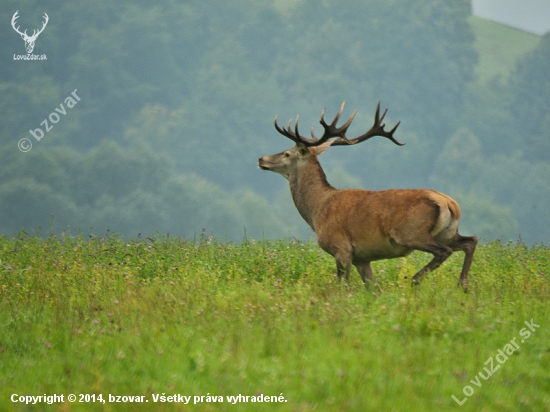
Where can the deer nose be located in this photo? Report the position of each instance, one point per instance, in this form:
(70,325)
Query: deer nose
(260,163)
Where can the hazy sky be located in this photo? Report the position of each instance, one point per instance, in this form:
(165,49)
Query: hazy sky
(530,15)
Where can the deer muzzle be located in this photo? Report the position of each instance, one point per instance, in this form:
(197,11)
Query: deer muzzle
(261,164)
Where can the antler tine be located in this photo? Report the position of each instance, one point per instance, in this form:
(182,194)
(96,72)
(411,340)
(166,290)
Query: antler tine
(331,130)
(376,130)
(276,125)
(382,117)
(377,117)
(391,134)
(279,129)
(288,126)
(44,23)
(287,131)
(337,117)
(296,133)
(322,119)
(14,22)
(342,130)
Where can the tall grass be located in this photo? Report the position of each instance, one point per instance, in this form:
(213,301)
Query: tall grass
(170,316)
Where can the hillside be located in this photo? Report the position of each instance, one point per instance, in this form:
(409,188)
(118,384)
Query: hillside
(176,112)
(499,46)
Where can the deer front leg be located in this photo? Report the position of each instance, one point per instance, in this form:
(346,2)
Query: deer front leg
(341,250)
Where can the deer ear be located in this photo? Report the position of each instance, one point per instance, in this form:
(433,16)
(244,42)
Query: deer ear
(322,148)
(302,149)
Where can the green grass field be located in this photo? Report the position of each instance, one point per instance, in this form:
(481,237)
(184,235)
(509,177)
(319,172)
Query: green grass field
(162,317)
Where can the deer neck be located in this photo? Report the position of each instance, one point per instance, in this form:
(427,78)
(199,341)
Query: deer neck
(310,189)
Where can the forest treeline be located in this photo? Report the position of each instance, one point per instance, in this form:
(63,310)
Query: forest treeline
(177,101)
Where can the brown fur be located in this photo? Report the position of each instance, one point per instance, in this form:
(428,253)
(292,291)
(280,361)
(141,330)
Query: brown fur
(360,226)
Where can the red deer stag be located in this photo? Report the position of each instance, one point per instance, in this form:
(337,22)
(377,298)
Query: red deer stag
(360,226)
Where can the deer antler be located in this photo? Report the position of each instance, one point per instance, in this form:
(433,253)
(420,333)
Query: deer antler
(331,130)
(13,19)
(377,129)
(46,19)
(35,33)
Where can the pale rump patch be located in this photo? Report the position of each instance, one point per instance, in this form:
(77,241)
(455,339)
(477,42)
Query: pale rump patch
(446,225)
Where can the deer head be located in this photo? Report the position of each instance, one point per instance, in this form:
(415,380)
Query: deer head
(29,40)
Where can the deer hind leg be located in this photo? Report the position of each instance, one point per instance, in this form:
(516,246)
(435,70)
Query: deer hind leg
(468,245)
(367,275)
(440,252)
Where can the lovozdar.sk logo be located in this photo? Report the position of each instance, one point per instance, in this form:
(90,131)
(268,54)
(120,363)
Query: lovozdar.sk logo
(29,40)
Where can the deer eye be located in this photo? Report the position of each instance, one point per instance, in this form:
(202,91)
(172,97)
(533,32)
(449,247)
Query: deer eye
(287,154)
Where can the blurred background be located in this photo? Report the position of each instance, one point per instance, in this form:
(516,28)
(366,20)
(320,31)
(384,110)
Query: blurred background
(177,100)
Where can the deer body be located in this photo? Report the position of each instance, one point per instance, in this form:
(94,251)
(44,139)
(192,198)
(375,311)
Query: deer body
(360,226)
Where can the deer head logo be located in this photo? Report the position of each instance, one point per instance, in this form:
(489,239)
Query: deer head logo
(29,40)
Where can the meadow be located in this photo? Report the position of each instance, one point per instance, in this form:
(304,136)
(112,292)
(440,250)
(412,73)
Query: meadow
(201,318)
